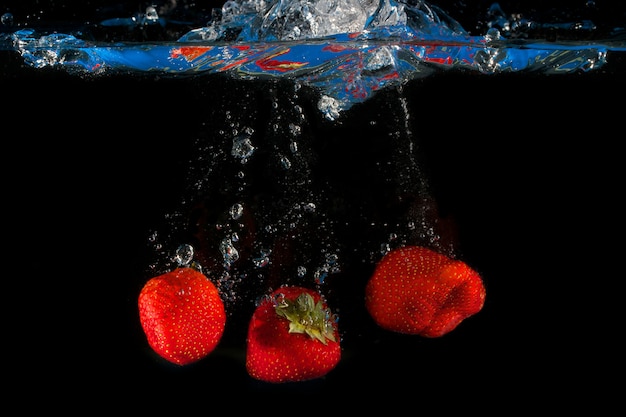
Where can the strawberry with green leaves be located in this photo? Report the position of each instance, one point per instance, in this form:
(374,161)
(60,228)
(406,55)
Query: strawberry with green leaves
(415,290)
(182,315)
(292,337)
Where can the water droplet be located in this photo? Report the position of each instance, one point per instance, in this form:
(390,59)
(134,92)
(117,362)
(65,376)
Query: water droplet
(7,19)
(236,211)
(285,162)
(229,252)
(309,207)
(184,255)
(261,261)
(151,14)
(329,107)
(242,146)
(320,275)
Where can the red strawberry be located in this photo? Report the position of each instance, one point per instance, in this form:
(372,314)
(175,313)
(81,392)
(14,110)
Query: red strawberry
(292,337)
(182,315)
(415,290)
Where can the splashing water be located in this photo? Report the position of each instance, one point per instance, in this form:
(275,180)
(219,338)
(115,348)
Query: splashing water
(347,50)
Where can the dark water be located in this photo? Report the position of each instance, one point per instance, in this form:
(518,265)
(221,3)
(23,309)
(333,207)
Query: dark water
(525,171)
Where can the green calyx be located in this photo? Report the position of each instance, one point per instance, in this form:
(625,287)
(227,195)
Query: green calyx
(306,316)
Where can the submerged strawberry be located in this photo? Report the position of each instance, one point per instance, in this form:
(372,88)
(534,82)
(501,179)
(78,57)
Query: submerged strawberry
(415,290)
(292,337)
(182,315)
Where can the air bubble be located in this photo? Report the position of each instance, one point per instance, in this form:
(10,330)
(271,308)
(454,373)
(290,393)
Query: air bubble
(184,255)
(236,211)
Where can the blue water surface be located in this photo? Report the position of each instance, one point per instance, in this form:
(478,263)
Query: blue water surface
(348,51)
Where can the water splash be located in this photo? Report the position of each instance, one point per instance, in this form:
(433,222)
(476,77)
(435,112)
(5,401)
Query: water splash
(348,50)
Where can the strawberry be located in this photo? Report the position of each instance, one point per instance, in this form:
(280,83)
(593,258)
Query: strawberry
(182,315)
(292,337)
(415,290)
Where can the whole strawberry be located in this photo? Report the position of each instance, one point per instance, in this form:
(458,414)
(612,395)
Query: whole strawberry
(182,315)
(292,337)
(415,290)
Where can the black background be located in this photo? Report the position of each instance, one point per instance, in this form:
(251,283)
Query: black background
(527,166)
